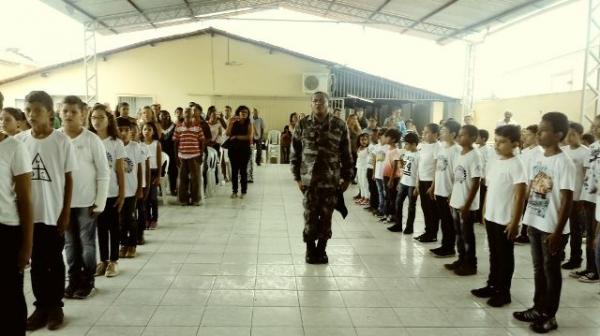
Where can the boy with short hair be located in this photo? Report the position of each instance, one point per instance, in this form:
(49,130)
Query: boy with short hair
(442,188)
(507,183)
(552,181)
(464,202)
(391,174)
(578,153)
(408,186)
(90,189)
(372,157)
(380,151)
(487,154)
(53,160)
(428,152)
(530,149)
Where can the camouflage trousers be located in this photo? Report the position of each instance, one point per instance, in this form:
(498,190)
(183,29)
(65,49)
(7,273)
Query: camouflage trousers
(319,204)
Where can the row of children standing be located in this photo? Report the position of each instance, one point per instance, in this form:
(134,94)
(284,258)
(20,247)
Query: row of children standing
(56,186)
(547,189)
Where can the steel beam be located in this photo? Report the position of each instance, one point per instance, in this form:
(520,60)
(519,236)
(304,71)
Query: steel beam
(376,11)
(90,64)
(469,79)
(88,15)
(432,13)
(139,10)
(590,96)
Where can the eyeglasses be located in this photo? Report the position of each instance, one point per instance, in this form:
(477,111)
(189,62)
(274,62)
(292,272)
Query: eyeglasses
(97,118)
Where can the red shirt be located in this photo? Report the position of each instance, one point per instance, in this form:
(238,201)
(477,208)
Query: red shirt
(190,140)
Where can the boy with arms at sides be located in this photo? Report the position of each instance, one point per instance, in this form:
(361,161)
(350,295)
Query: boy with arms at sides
(441,187)
(53,160)
(408,184)
(464,201)
(391,173)
(552,181)
(507,184)
(90,189)
(428,152)
(380,152)
(487,154)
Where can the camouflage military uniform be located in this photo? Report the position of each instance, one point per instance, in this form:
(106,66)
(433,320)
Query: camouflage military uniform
(320,158)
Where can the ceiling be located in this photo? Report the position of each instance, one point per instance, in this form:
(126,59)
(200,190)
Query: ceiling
(439,20)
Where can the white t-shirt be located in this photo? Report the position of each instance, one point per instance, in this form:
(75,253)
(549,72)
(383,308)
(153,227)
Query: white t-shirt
(380,153)
(444,171)
(52,157)
(371,156)
(115,150)
(411,167)
(145,152)
(152,153)
(578,155)
(467,167)
(362,158)
(590,180)
(526,155)
(14,161)
(548,176)
(91,178)
(487,153)
(134,156)
(502,177)
(427,154)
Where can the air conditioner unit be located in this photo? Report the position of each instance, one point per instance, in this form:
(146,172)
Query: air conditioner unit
(313,82)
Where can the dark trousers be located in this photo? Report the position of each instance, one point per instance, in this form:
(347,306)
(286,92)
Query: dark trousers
(465,237)
(390,195)
(374,200)
(239,158)
(258,144)
(430,213)
(589,211)
(482,193)
(173,172)
(141,216)
(547,273)
(80,246)
(447,223)
(47,266)
(403,193)
(152,201)
(285,154)
(577,225)
(188,189)
(12,305)
(129,224)
(318,210)
(109,233)
(502,258)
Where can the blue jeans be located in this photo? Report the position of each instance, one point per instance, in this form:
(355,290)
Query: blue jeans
(80,245)
(404,192)
(547,273)
(465,237)
(381,192)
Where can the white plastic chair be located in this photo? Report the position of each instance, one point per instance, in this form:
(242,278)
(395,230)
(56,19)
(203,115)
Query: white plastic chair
(164,178)
(274,146)
(211,162)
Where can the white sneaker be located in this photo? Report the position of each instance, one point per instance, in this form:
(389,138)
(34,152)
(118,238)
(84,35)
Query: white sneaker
(112,270)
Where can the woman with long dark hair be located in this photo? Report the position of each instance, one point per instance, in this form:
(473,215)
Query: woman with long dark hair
(240,135)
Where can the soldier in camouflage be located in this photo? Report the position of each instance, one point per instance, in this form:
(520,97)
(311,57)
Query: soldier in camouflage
(322,165)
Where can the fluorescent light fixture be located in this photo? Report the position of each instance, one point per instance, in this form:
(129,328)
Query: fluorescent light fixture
(230,11)
(360,98)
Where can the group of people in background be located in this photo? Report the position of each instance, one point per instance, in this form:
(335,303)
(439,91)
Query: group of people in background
(86,178)
(537,185)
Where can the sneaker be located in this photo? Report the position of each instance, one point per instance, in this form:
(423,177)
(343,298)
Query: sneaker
(452,266)
(426,239)
(419,237)
(131,252)
(465,269)
(522,239)
(112,269)
(408,231)
(498,300)
(571,264)
(70,290)
(122,251)
(544,325)
(589,277)
(153,225)
(85,292)
(578,274)
(101,267)
(250,181)
(395,228)
(234,195)
(139,242)
(242,196)
(55,318)
(529,315)
(443,253)
(383,219)
(484,292)
(38,319)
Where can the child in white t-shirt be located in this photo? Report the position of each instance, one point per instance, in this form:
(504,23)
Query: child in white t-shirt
(552,181)
(579,154)
(16,231)
(371,159)
(441,188)
(465,201)
(104,125)
(486,153)
(144,151)
(428,151)
(362,164)
(53,160)
(380,153)
(150,135)
(588,201)
(507,183)
(90,189)
(391,173)
(408,186)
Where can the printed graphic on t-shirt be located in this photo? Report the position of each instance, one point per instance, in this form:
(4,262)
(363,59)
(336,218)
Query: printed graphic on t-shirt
(109,157)
(460,174)
(408,164)
(590,182)
(40,173)
(128,165)
(442,163)
(541,186)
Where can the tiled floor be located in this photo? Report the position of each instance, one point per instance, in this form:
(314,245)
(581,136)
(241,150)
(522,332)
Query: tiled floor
(236,267)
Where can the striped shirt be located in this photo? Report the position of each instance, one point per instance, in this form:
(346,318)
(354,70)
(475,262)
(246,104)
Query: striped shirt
(190,140)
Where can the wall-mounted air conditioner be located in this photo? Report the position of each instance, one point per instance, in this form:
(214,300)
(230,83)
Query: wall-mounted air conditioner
(313,82)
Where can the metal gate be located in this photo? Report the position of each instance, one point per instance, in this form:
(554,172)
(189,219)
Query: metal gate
(337,103)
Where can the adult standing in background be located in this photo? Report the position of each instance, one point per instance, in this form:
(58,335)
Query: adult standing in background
(259,132)
(168,146)
(360,114)
(395,121)
(240,135)
(293,121)
(507,120)
(322,166)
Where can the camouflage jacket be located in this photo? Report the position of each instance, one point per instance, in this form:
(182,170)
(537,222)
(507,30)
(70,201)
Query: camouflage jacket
(320,153)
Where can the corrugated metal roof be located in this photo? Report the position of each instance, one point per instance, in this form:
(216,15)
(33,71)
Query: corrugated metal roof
(441,20)
(362,80)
